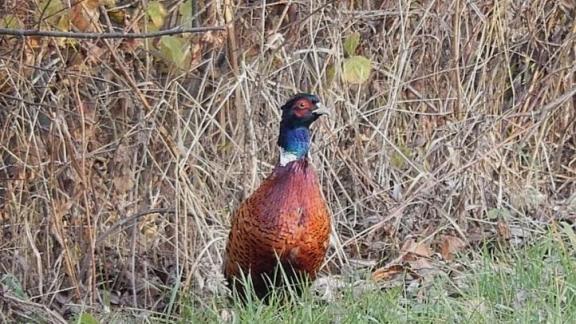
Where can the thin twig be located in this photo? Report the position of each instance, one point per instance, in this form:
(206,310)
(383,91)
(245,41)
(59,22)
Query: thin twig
(30,305)
(131,218)
(173,31)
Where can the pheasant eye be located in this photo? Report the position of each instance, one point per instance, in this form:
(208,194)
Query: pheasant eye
(301,105)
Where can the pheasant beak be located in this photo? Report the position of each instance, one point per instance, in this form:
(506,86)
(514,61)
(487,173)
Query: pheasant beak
(321,109)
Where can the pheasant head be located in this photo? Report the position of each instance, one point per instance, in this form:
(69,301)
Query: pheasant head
(297,116)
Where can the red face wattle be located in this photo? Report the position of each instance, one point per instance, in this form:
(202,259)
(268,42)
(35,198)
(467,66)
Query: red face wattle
(302,108)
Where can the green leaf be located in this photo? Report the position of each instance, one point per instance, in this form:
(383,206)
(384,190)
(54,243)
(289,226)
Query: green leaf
(117,16)
(569,231)
(157,13)
(187,14)
(10,21)
(330,73)
(48,8)
(63,23)
(106,298)
(398,159)
(351,44)
(498,213)
(50,11)
(176,50)
(87,318)
(356,69)
(11,283)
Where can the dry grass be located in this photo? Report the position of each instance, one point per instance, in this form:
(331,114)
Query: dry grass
(468,121)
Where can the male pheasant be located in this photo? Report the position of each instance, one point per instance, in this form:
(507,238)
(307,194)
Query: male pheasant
(286,220)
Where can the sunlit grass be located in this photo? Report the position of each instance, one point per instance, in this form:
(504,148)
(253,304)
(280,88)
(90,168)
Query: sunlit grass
(527,285)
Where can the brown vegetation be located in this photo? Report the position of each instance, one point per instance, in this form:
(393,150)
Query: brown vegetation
(121,160)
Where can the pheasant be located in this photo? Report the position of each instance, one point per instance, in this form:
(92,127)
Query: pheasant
(286,221)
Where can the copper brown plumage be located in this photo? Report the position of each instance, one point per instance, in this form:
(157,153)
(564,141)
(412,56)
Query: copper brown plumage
(286,220)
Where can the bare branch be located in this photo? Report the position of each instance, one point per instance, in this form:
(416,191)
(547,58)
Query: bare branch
(173,31)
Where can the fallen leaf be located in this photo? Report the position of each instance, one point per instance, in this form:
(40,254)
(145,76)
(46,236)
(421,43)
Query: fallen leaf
(414,260)
(123,183)
(85,15)
(419,248)
(419,263)
(451,245)
(503,230)
(387,273)
(95,53)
